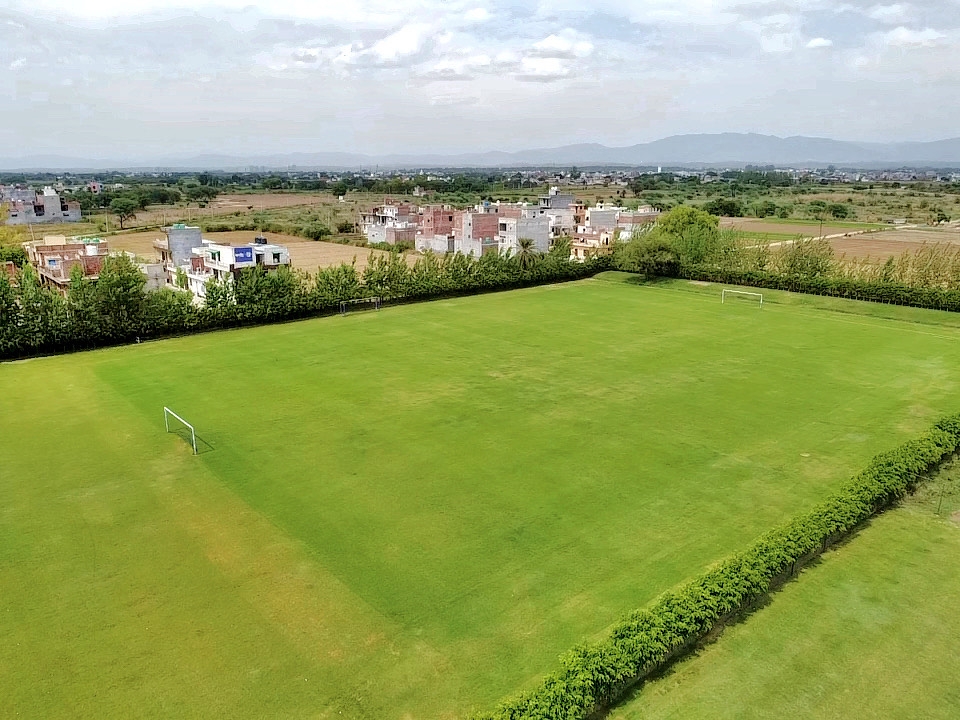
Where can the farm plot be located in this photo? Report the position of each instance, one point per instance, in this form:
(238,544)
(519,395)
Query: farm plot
(890,243)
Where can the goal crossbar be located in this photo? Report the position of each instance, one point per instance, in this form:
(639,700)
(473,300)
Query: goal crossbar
(344,304)
(167,412)
(725,292)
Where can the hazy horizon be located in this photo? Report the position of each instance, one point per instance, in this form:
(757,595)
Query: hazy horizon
(149,79)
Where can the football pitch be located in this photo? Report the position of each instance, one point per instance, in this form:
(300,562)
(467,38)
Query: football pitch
(411,513)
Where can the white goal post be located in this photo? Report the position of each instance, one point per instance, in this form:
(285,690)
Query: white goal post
(167,413)
(345,304)
(725,292)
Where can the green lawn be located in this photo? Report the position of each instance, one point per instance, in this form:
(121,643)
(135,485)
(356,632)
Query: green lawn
(869,632)
(411,513)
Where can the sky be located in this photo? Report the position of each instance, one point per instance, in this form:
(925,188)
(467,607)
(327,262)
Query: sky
(139,79)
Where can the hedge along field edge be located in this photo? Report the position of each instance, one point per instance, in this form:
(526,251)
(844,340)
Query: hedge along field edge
(35,320)
(593,676)
(879,292)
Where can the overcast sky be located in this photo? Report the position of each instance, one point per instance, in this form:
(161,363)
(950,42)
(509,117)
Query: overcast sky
(148,78)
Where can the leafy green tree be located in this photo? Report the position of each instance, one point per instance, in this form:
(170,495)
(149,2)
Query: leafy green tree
(218,294)
(124,208)
(693,234)
(83,305)
(16,255)
(43,315)
(765,208)
(560,248)
(838,210)
(120,297)
(527,254)
(9,317)
(724,207)
(315,231)
(650,255)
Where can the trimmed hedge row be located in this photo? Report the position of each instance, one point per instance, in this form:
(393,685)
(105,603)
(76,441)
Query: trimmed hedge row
(881,292)
(593,676)
(116,310)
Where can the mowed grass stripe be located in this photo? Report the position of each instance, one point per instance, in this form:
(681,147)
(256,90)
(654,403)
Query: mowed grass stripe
(470,486)
(868,632)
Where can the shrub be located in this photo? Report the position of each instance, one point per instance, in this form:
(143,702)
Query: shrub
(315,231)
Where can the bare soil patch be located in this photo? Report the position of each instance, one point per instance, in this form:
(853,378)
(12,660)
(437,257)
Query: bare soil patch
(306,254)
(760,225)
(891,243)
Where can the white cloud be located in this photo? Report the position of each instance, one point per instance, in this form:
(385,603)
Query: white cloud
(455,68)
(395,73)
(477,15)
(905,37)
(368,13)
(406,41)
(776,42)
(542,68)
(890,14)
(562,46)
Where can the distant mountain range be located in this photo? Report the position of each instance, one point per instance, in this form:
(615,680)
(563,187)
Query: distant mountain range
(704,150)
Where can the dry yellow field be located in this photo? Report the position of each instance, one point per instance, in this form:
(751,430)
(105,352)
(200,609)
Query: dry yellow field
(890,243)
(306,254)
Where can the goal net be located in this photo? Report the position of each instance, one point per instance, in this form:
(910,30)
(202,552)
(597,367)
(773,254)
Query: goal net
(370,303)
(741,295)
(176,424)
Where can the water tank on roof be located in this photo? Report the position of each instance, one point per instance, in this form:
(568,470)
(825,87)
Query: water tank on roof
(260,240)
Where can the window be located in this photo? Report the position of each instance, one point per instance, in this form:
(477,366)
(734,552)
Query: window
(276,258)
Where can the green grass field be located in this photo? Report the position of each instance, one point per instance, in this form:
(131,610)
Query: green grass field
(411,513)
(868,632)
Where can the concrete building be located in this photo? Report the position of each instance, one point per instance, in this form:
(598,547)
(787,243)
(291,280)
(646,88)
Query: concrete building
(555,200)
(630,220)
(535,227)
(155,273)
(176,249)
(55,257)
(390,223)
(435,220)
(226,262)
(603,217)
(43,207)
(435,243)
(588,242)
(476,233)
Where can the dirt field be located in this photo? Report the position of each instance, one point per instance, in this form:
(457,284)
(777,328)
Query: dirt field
(225,205)
(306,254)
(891,243)
(806,229)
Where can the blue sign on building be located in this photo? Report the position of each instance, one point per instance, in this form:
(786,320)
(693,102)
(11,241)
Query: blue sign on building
(243,254)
